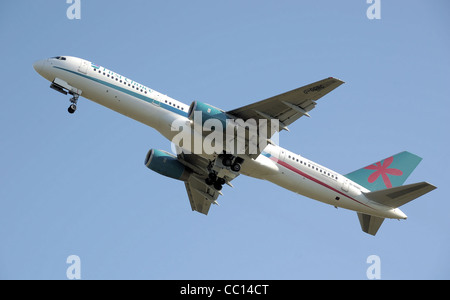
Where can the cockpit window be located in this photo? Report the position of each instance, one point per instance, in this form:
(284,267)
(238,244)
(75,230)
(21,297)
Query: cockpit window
(59,57)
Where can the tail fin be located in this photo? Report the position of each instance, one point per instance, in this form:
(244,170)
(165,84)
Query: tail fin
(387,173)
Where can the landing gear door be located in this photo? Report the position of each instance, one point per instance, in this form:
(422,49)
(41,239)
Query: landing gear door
(83,67)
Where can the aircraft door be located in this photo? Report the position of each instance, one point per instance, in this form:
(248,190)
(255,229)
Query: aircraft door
(282,155)
(83,66)
(345,185)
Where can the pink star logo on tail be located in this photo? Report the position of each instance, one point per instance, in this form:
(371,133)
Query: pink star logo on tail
(382,169)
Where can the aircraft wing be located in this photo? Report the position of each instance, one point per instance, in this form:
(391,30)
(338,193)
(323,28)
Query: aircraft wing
(286,108)
(201,195)
(290,106)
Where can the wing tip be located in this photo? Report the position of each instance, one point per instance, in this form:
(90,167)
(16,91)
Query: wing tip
(337,79)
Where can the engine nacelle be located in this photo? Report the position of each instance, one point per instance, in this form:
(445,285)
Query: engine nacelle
(167,165)
(238,136)
(200,112)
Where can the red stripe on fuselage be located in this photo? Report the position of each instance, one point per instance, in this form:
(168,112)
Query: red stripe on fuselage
(295,170)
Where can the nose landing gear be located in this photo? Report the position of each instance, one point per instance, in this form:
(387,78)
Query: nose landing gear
(63,87)
(73,107)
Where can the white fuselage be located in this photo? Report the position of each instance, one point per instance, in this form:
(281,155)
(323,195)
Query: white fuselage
(275,164)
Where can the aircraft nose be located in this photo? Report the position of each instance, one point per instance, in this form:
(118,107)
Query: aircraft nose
(39,66)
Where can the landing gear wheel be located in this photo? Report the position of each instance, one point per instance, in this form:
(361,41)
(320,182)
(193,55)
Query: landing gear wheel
(236,167)
(221,181)
(209,181)
(72,108)
(217,186)
(227,161)
(212,176)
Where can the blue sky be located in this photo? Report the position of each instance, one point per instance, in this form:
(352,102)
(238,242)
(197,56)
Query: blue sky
(77,185)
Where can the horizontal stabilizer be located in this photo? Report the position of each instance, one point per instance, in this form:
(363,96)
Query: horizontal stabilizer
(370,224)
(398,196)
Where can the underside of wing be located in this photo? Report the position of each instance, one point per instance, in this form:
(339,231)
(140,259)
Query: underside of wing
(290,106)
(202,195)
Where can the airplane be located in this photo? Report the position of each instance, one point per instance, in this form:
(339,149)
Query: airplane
(374,192)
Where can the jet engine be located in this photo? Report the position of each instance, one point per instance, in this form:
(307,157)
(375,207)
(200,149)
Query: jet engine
(200,112)
(167,165)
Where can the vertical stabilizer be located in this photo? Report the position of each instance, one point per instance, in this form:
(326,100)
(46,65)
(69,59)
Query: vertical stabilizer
(387,173)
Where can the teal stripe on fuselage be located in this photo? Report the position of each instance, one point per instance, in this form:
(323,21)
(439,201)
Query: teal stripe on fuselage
(131,93)
(268,155)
